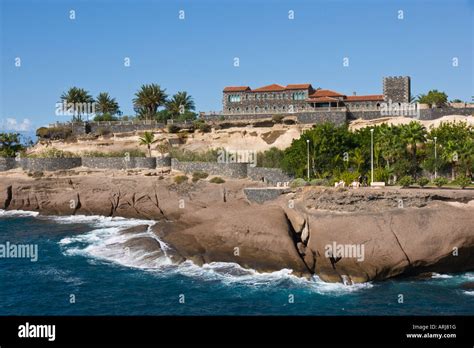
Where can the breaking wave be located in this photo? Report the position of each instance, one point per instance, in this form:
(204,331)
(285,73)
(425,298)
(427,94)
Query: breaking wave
(17,213)
(106,243)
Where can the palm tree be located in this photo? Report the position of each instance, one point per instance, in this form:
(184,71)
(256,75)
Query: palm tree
(148,139)
(106,105)
(79,100)
(413,134)
(180,103)
(148,99)
(451,154)
(358,159)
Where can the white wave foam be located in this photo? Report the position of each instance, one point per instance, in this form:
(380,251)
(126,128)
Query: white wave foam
(470,293)
(19,213)
(468,276)
(106,243)
(441,276)
(233,274)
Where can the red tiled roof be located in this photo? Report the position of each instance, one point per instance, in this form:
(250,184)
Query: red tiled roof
(299,86)
(236,89)
(372,97)
(325,93)
(270,88)
(322,100)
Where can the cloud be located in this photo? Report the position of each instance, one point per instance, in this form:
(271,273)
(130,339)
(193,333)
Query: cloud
(11,124)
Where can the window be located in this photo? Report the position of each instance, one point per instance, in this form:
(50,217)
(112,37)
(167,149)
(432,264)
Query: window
(298,96)
(234,98)
(264,96)
(256,109)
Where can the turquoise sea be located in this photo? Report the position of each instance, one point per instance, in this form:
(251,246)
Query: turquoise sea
(81,271)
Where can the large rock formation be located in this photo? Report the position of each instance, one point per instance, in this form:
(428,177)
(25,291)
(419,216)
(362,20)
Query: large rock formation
(206,222)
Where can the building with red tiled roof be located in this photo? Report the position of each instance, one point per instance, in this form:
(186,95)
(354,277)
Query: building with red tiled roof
(294,98)
(236,89)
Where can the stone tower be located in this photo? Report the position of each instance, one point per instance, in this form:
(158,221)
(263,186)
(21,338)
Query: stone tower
(396,89)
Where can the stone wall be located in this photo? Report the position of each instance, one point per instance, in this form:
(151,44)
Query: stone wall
(112,127)
(263,194)
(271,176)
(49,164)
(336,117)
(435,113)
(7,163)
(231,170)
(163,162)
(119,162)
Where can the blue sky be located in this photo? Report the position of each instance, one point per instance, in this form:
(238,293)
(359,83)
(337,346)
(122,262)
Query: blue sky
(197,54)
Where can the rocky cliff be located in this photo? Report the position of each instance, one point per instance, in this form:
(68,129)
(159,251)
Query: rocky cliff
(311,231)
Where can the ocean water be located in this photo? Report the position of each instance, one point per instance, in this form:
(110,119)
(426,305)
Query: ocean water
(81,271)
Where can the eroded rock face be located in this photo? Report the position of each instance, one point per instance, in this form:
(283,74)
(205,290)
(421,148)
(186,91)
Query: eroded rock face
(254,238)
(377,246)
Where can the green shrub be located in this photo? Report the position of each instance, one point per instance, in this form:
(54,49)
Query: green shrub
(462,181)
(202,126)
(319,182)
(199,175)
(271,158)
(35,174)
(102,131)
(278,118)
(124,153)
(423,181)
(105,117)
(349,177)
(173,128)
(217,180)
(381,174)
(180,179)
(440,181)
(405,181)
(53,153)
(54,133)
(298,183)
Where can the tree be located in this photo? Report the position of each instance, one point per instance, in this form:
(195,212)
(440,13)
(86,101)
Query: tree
(413,134)
(106,107)
(10,144)
(148,139)
(79,101)
(433,98)
(163,148)
(148,99)
(179,104)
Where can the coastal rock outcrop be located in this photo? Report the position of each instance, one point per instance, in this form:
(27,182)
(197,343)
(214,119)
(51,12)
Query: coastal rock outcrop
(322,233)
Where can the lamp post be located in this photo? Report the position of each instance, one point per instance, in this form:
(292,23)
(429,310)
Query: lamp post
(436,158)
(371,156)
(307,148)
